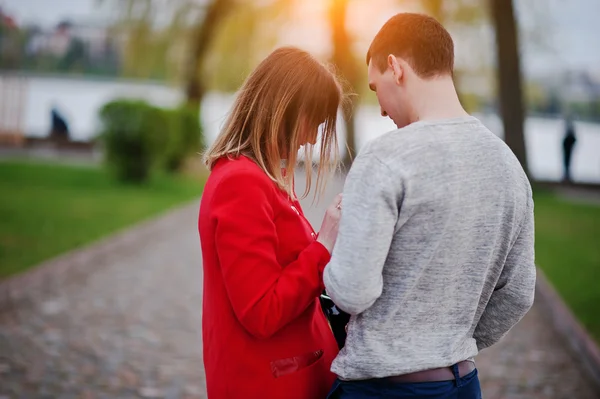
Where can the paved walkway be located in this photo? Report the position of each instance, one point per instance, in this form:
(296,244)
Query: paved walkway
(131,329)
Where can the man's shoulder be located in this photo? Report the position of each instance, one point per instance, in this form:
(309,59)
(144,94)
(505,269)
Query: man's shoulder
(391,146)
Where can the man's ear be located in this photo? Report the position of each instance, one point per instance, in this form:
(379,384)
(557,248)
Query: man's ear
(396,67)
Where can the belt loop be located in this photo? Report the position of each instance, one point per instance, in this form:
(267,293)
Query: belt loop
(457,379)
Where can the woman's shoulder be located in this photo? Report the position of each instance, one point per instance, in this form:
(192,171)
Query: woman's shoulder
(239,172)
(239,167)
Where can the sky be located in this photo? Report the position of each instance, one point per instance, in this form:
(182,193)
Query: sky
(569,28)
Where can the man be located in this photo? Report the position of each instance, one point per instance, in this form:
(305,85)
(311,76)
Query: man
(59,130)
(434,258)
(569,141)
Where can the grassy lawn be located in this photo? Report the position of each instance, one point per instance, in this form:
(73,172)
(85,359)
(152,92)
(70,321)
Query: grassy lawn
(568,251)
(47,209)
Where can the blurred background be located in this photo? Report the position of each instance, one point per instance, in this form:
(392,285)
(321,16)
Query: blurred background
(106,104)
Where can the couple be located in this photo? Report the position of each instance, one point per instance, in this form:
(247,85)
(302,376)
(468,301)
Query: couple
(434,255)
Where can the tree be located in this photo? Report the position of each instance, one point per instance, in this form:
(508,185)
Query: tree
(459,14)
(509,77)
(11,44)
(343,57)
(203,33)
(147,47)
(75,58)
(245,37)
(135,26)
(206,45)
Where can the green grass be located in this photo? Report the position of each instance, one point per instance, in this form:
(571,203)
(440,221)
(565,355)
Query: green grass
(47,209)
(568,251)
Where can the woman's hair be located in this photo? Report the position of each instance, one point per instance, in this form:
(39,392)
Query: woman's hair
(287,97)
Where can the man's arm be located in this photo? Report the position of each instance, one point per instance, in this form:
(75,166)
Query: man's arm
(513,296)
(372,195)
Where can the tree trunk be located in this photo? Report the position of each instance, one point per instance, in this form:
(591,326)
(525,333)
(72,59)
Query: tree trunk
(509,77)
(343,59)
(201,39)
(435,8)
(350,135)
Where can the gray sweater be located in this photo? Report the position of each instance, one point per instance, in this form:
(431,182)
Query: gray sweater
(435,252)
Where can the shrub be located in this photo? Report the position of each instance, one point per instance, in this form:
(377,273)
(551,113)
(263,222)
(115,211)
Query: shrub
(184,136)
(133,134)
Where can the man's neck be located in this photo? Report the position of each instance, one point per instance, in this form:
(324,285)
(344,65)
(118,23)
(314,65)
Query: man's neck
(436,99)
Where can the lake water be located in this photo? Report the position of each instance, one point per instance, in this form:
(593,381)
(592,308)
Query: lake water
(80,99)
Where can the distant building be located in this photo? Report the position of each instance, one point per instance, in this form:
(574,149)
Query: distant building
(57,41)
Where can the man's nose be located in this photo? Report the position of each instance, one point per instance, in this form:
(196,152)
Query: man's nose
(383,113)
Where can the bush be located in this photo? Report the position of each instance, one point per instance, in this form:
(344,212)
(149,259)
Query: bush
(184,136)
(138,137)
(133,135)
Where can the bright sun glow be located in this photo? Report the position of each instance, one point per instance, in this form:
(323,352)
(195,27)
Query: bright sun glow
(309,28)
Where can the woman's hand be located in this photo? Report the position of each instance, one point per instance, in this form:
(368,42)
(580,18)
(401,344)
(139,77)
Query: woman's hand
(331,222)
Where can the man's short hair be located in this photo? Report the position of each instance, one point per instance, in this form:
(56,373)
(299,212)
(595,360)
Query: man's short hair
(419,39)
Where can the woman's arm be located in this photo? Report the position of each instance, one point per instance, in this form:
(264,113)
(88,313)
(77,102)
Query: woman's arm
(264,295)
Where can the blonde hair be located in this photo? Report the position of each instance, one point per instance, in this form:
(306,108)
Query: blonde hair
(288,93)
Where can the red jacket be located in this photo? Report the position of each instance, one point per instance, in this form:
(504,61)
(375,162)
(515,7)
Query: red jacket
(264,333)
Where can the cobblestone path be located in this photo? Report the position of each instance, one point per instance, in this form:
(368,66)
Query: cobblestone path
(131,329)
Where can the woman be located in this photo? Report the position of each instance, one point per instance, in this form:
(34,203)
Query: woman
(264,333)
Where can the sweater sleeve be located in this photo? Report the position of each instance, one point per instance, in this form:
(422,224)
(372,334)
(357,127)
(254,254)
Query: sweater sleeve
(354,277)
(264,294)
(514,293)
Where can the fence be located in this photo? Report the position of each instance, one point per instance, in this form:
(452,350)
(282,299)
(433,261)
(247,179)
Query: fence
(13,91)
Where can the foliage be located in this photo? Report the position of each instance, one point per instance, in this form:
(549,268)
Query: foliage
(472,102)
(55,208)
(243,39)
(210,45)
(150,51)
(76,57)
(11,46)
(585,110)
(139,137)
(133,135)
(184,136)
(462,12)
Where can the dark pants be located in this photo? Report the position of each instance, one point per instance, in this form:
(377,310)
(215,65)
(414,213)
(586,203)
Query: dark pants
(567,164)
(462,388)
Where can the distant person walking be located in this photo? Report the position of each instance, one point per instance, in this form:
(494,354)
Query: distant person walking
(59,130)
(568,144)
